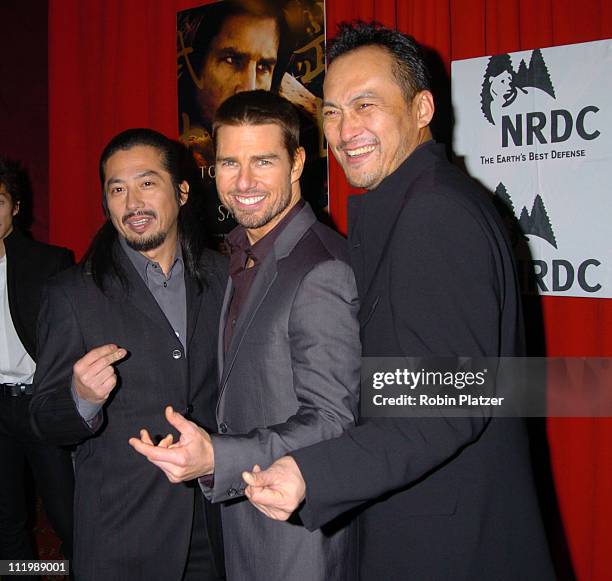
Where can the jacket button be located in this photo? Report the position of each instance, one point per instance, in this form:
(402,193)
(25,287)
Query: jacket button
(223,427)
(232,492)
(177,354)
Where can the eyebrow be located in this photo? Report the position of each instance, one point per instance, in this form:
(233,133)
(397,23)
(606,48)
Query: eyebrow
(233,52)
(357,97)
(144,174)
(253,157)
(265,156)
(268,61)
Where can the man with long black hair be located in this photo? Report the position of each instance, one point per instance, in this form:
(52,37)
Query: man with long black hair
(130,330)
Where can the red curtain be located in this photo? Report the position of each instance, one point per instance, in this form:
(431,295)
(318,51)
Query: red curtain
(23,103)
(112,66)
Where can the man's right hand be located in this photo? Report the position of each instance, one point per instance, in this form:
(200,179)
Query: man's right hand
(94,376)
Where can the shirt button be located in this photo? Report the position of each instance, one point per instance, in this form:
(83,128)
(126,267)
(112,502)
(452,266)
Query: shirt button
(233,322)
(165,284)
(223,427)
(232,492)
(177,354)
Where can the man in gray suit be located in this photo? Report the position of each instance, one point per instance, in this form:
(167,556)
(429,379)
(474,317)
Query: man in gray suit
(289,347)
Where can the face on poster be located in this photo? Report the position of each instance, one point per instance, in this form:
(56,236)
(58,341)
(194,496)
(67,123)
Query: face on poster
(231,46)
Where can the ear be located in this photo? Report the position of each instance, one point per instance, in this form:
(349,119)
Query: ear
(423,108)
(298,164)
(15,208)
(184,195)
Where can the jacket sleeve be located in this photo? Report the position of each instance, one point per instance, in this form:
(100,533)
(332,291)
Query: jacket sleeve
(325,354)
(60,344)
(445,301)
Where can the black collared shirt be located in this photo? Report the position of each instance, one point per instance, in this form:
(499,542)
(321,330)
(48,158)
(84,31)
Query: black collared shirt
(242,277)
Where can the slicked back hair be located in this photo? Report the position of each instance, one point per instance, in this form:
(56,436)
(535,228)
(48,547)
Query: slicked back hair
(100,259)
(261,108)
(409,67)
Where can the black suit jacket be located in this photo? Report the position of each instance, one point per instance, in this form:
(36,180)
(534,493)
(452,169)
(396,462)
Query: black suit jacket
(29,265)
(130,523)
(446,498)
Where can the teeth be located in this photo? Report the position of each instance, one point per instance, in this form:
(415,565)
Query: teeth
(359,150)
(140,222)
(250,201)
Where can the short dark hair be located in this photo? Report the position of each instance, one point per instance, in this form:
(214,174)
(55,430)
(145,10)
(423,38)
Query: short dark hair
(260,108)
(171,153)
(12,178)
(409,65)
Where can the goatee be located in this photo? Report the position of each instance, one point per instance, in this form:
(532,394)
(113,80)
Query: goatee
(145,244)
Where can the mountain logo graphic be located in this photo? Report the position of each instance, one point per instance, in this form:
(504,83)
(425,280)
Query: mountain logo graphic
(502,85)
(534,223)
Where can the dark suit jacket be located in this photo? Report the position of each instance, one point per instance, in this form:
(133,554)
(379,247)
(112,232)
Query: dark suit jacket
(448,498)
(29,265)
(130,523)
(290,378)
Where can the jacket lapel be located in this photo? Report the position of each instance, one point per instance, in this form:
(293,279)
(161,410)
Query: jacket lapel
(222,322)
(355,243)
(139,295)
(266,275)
(377,217)
(193,296)
(376,214)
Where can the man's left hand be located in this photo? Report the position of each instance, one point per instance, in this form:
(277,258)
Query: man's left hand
(278,490)
(191,457)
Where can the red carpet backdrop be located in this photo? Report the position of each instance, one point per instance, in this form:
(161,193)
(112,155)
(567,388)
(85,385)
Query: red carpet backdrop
(112,65)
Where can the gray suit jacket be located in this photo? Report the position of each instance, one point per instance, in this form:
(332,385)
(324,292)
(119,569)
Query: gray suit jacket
(290,378)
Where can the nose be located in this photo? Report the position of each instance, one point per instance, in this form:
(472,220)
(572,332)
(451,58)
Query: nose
(350,127)
(245,180)
(133,200)
(248,78)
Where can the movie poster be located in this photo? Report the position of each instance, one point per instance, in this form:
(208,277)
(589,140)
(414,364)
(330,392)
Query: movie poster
(237,45)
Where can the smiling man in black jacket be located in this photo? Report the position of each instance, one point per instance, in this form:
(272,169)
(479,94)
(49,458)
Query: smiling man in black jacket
(440,498)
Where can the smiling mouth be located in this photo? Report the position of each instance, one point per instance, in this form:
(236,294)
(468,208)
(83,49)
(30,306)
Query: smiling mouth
(139,222)
(249,200)
(359,150)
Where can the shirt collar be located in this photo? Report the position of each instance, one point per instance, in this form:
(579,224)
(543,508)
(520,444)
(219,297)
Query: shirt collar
(241,249)
(142,264)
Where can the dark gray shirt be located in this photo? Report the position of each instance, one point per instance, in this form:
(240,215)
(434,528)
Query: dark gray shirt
(167,290)
(169,293)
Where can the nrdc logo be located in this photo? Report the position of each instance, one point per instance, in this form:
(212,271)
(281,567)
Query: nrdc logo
(557,275)
(507,96)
